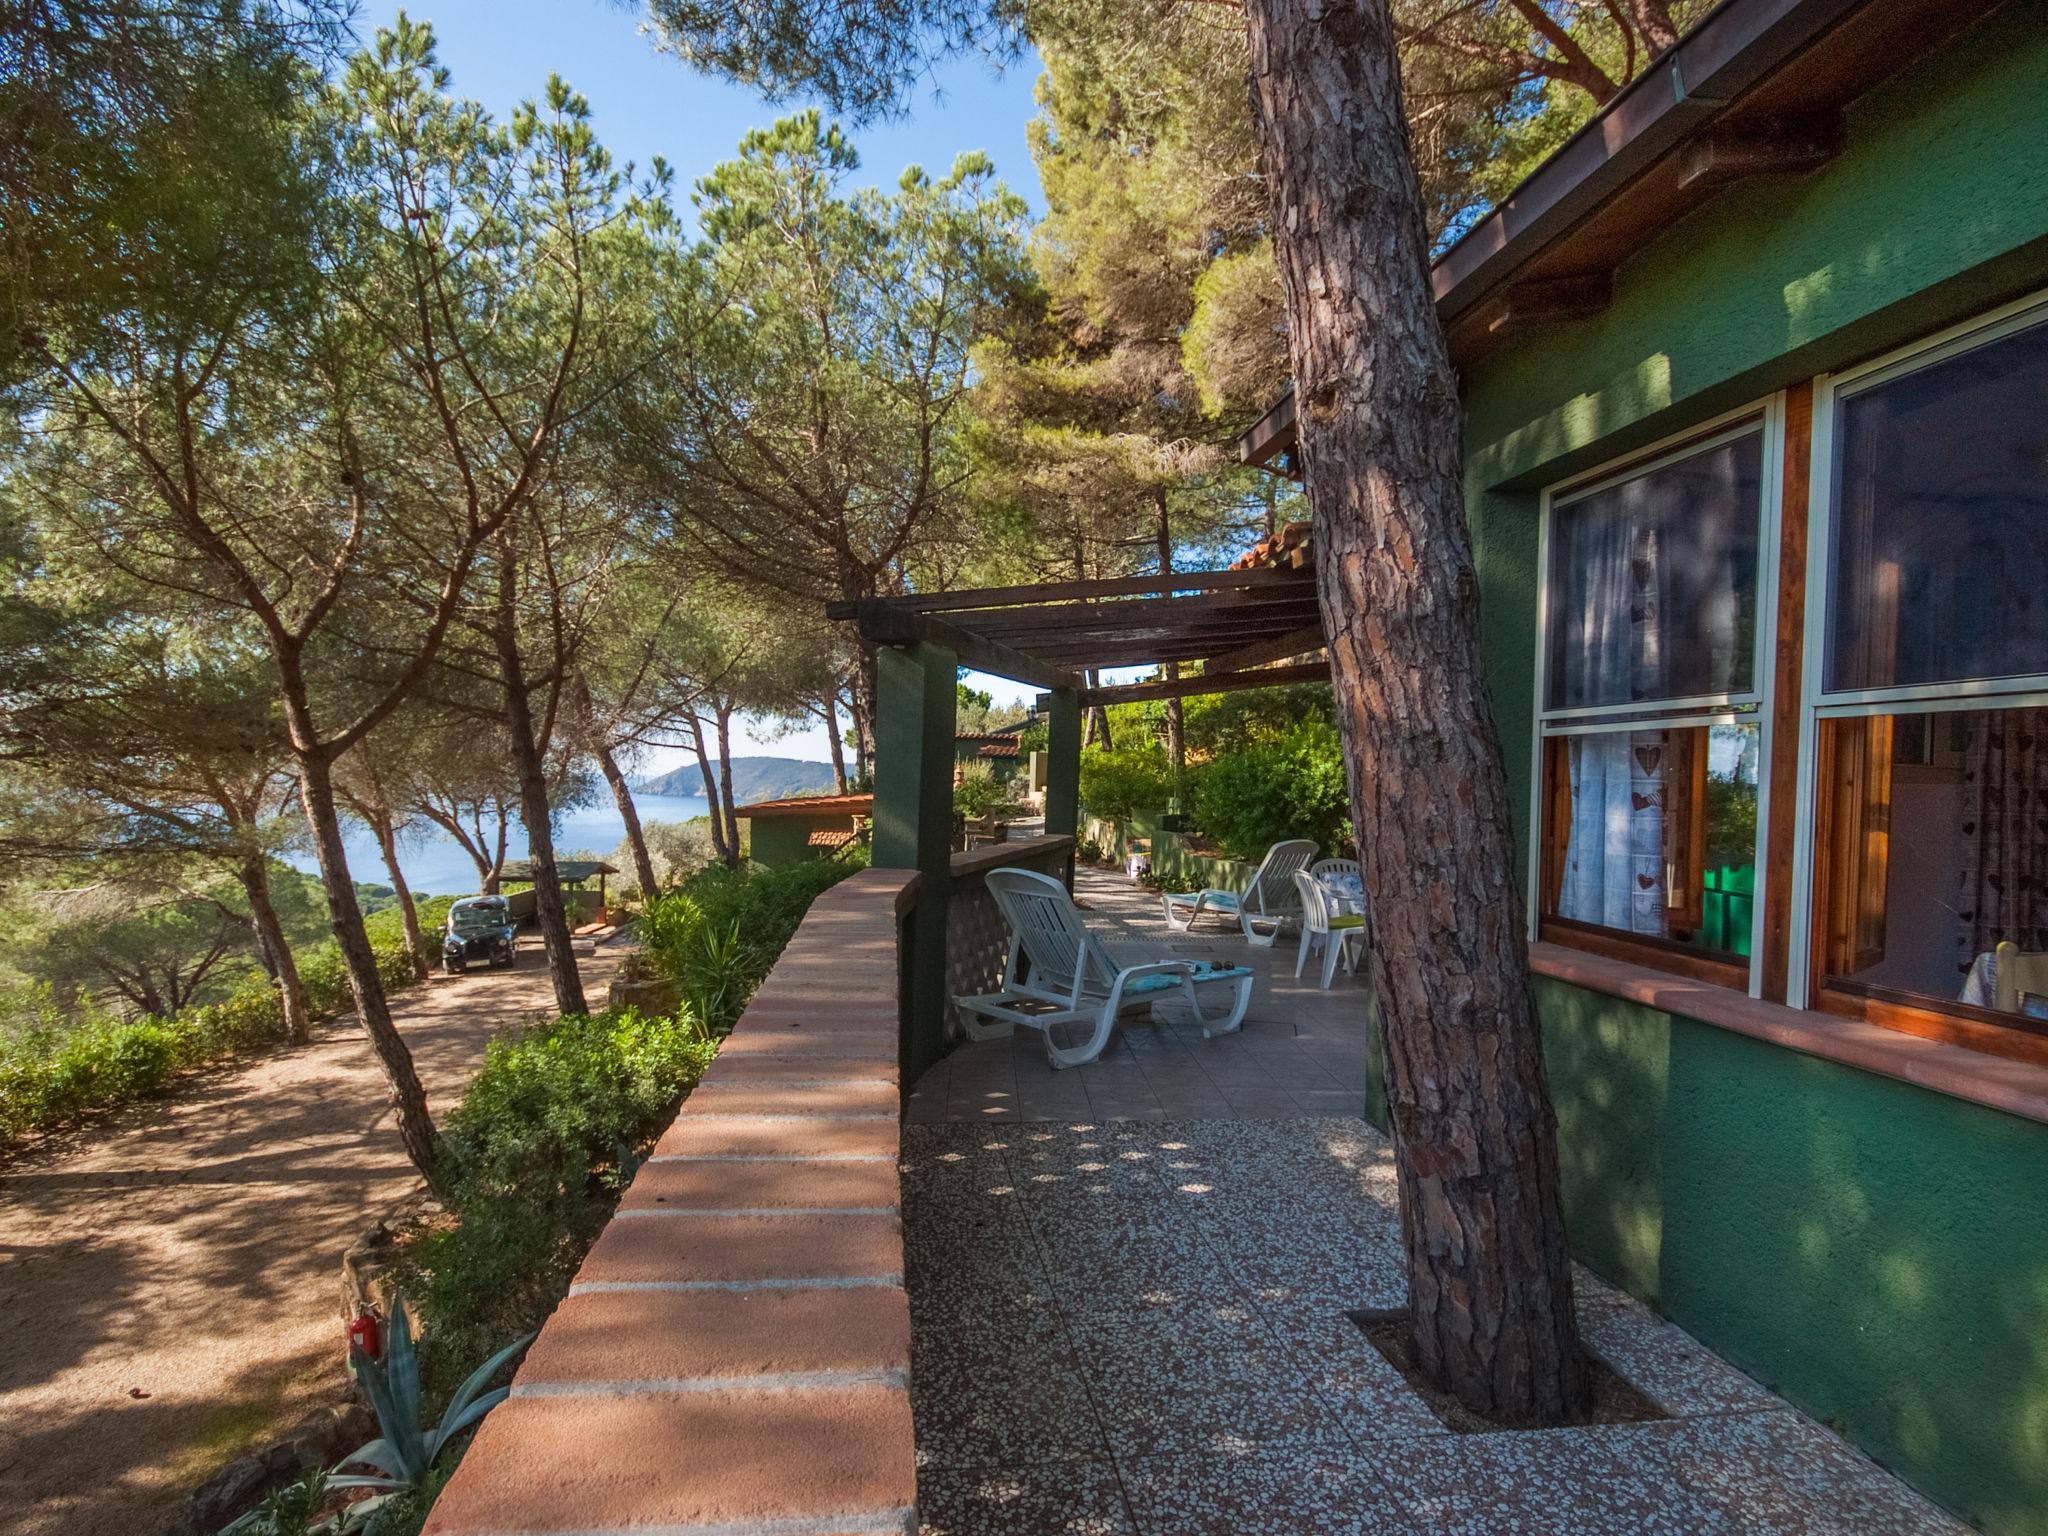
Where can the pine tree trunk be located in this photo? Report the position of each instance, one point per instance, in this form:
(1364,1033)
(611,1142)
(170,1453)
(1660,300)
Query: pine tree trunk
(1176,735)
(838,747)
(1474,1136)
(408,910)
(529,763)
(495,873)
(724,798)
(278,960)
(373,1012)
(710,789)
(629,813)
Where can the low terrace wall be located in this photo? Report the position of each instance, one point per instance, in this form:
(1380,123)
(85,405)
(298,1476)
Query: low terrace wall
(735,1352)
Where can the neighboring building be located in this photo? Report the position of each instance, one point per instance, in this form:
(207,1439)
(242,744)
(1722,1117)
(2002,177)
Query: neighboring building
(1755,372)
(805,826)
(999,749)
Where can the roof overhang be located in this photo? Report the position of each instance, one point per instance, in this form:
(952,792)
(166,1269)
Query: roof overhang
(1236,623)
(1757,87)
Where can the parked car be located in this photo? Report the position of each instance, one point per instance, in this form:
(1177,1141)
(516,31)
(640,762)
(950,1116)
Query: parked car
(480,928)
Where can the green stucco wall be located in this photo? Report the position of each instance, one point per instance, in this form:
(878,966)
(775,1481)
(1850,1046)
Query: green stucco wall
(1876,1252)
(785,839)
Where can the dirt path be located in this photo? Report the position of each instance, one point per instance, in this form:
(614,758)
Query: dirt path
(170,1287)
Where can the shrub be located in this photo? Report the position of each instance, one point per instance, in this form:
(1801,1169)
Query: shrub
(534,1156)
(59,1068)
(1288,787)
(1116,785)
(977,793)
(717,933)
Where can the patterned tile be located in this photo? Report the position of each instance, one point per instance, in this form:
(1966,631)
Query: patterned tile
(1000,1394)
(1049,1499)
(1667,1364)
(1592,1481)
(1781,1473)
(1264,1491)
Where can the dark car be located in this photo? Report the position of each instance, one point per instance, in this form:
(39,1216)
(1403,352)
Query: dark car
(480,928)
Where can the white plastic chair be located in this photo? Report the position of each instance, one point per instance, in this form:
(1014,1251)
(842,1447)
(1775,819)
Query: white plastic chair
(1322,925)
(1058,973)
(1268,898)
(2021,977)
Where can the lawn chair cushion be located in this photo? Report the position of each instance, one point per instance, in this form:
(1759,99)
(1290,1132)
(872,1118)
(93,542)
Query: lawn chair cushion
(1226,900)
(1204,970)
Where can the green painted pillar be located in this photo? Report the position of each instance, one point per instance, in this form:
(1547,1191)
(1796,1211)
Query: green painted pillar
(1063,764)
(913,828)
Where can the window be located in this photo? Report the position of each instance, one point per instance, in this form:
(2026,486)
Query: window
(1651,744)
(1929,865)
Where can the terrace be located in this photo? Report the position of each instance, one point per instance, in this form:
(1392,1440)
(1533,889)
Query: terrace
(1128,1286)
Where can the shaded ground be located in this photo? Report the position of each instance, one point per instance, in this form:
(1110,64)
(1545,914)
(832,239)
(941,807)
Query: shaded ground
(170,1286)
(1128,1284)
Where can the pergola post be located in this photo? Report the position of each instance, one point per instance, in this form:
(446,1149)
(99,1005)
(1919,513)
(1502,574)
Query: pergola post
(1063,763)
(915,699)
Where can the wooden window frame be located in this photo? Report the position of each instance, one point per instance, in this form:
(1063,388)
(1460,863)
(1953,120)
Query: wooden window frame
(1802,927)
(1555,727)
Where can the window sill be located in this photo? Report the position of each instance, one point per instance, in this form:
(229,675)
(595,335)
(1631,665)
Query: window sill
(1996,1082)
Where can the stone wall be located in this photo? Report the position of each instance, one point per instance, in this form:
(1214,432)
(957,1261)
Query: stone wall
(734,1354)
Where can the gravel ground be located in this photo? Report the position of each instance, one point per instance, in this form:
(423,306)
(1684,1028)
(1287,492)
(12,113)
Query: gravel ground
(170,1279)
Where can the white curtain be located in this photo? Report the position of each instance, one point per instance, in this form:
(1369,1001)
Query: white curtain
(1614,859)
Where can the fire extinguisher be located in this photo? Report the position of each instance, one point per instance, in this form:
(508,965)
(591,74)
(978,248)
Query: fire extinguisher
(363,1335)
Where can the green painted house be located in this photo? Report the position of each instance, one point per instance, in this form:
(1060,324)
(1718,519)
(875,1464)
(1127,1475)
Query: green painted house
(800,827)
(1755,372)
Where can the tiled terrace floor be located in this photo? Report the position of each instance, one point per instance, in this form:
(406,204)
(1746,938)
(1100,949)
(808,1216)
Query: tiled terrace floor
(1301,1050)
(1126,1324)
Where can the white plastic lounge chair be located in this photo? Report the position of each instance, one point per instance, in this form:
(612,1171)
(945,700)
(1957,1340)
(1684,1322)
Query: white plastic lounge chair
(1268,900)
(1322,924)
(1058,973)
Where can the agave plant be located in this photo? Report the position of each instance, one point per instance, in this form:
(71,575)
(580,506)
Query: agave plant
(405,1451)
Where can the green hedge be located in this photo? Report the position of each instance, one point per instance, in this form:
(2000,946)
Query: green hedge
(1285,787)
(61,1069)
(717,934)
(546,1136)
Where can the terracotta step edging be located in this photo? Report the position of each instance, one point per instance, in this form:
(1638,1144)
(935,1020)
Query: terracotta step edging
(734,1353)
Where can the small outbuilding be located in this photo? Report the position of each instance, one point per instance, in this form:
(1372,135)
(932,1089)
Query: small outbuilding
(800,827)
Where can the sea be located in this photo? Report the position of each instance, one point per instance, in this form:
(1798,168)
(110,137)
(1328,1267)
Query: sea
(435,864)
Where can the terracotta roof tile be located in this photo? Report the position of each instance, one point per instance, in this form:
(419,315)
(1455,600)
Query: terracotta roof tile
(812,805)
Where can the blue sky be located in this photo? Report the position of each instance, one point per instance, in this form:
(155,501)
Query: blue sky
(643,104)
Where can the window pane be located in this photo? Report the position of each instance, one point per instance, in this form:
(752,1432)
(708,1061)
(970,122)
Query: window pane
(1934,852)
(1652,589)
(1940,548)
(1653,832)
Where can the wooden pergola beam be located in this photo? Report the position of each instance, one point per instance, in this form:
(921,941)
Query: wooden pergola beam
(1141,613)
(1298,642)
(1066,591)
(885,623)
(1207,682)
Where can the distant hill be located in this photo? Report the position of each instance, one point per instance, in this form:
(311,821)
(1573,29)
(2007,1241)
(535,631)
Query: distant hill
(753,778)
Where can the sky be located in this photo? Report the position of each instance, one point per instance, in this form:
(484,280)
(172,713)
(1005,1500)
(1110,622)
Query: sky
(644,103)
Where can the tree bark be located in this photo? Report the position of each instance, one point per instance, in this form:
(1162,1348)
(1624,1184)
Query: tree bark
(254,875)
(529,762)
(724,796)
(373,1011)
(629,813)
(832,739)
(386,828)
(718,846)
(1176,736)
(1474,1135)
(861,698)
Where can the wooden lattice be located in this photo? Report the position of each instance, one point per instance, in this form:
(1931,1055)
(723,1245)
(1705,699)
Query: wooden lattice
(977,942)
